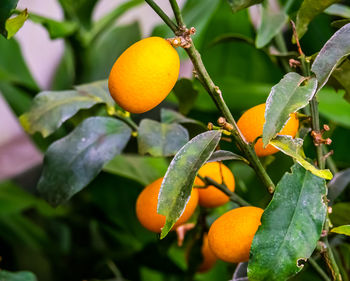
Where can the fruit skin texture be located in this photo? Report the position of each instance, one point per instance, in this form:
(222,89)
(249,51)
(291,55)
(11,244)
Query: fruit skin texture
(144,74)
(146,208)
(209,258)
(211,196)
(251,125)
(231,235)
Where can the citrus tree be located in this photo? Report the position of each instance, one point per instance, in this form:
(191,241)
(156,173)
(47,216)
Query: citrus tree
(240,169)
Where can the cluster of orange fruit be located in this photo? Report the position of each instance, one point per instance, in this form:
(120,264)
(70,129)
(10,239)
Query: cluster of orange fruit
(140,79)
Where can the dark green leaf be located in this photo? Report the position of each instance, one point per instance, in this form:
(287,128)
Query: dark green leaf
(340,213)
(102,54)
(18,99)
(222,155)
(308,11)
(142,169)
(271,24)
(292,93)
(343,229)
(14,66)
(337,185)
(14,24)
(237,5)
(294,148)
(73,161)
(6,7)
(107,20)
(338,10)
(56,29)
(177,184)
(160,139)
(51,108)
(240,273)
(342,74)
(186,93)
(79,10)
(171,116)
(332,53)
(340,23)
(334,107)
(17,276)
(231,37)
(290,227)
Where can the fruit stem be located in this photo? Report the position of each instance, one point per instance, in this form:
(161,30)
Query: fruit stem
(163,15)
(233,196)
(177,13)
(127,120)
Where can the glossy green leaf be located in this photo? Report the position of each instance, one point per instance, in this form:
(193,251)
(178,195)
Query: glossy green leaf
(222,155)
(14,24)
(6,6)
(292,93)
(186,93)
(290,227)
(337,185)
(101,55)
(172,116)
(177,184)
(334,107)
(237,5)
(343,229)
(50,109)
(271,24)
(309,9)
(342,73)
(56,29)
(294,148)
(338,10)
(73,161)
(142,169)
(14,66)
(17,276)
(332,53)
(160,139)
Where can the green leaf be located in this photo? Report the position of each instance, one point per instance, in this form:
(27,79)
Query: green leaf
(222,155)
(73,161)
(290,227)
(342,74)
(171,116)
(343,229)
(237,5)
(18,99)
(6,7)
(332,53)
(340,213)
(177,184)
(56,29)
(294,148)
(186,93)
(17,276)
(309,9)
(337,185)
(334,107)
(160,139)
(338,10)
(271,24)
(79,11)
(292,93)
(51,108)
(14,66)
(142,169)
(14,24)
(101,55)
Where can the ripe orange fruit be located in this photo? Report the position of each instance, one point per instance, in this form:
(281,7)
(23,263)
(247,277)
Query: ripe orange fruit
(144,74)
(231,235)
(211,196)
(146,208)
(209,258)
(251,125)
